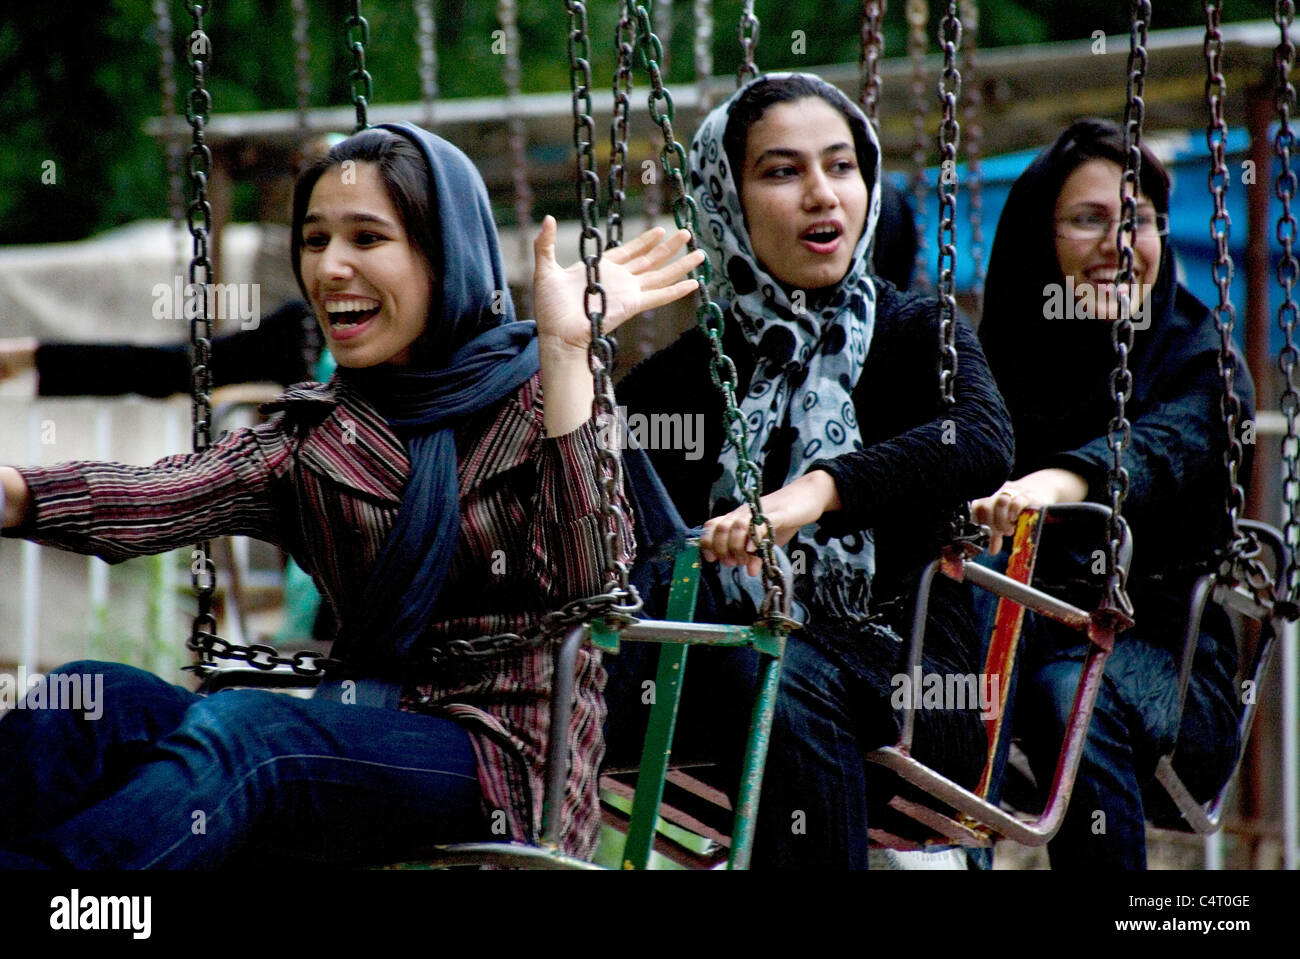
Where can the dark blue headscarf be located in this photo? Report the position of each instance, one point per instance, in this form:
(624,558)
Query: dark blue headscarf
(492,355)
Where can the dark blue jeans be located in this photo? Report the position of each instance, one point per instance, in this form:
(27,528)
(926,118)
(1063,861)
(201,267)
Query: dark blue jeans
(168,779)
(832,708)
(1133,725)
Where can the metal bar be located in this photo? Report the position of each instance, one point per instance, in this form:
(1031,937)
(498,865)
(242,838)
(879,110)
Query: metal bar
(1213,845)
(658,745)
(655,754)
(704,634)
(504,854)
(1193,812)
(31,564)
(915,642)
(751,779)
(1202,589)
(1290,746)
(1040,830)
(1004,643)
(557,745)
(1243,603)
(1102,639)
(943,825)
(1026,596)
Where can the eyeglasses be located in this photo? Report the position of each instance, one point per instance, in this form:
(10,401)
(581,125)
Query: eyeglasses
(1094,226)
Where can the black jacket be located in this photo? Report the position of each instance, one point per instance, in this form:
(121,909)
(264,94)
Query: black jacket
(917,461)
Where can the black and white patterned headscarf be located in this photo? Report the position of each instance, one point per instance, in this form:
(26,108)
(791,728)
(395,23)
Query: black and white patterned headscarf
(809,348)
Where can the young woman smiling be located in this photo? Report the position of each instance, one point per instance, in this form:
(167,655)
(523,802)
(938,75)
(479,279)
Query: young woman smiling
(439,487)
(1060,222)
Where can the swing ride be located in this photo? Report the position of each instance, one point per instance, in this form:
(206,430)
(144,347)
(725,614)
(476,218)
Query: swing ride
(1257,575)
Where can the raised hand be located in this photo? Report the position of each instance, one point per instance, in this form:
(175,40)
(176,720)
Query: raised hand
(637,276)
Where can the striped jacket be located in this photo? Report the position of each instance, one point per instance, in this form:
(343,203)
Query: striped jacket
(323,480)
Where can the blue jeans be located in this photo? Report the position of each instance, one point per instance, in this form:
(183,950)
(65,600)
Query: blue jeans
(1133,725)
(832,708)
(168,779)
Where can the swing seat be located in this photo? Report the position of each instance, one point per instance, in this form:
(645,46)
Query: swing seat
(674,635)
(1205,818)
(975,821)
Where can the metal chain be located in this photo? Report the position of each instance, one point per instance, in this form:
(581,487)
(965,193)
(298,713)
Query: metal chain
(427,39)
(360,84)
(1225,315)
(950,30)
(203,572)
(1288,271)
(961,528)
(748,32)
(624,40)
(171,131)
(971,102)
(517,136)
(872,49)
(301,66)
(652,197)
(1119,431)
(703,57)
(600,352)
(306,662)
(918,19)
(709,317)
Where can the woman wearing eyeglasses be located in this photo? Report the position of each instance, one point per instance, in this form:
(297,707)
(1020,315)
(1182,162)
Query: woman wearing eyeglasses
(1049,303)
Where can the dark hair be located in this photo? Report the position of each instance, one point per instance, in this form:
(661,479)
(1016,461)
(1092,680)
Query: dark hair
(762,94)
(1093,139)
(405,174)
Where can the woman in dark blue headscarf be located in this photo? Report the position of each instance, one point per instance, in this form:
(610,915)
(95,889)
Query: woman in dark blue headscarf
(433,497)
(1048,304)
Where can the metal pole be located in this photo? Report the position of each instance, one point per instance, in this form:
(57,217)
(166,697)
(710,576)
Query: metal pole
(31,564)
(1290,746)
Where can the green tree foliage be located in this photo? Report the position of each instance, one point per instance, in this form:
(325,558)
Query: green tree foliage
(79,78)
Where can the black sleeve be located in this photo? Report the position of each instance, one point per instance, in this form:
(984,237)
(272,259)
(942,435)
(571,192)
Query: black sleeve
(919,459)
(276,351)
(1173,444)
(674,386)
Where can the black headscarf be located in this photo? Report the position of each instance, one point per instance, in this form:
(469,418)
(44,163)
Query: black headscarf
(1055,374)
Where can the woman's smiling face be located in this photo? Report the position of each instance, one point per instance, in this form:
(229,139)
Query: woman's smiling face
(804,198)
(1089,196)
(369,286)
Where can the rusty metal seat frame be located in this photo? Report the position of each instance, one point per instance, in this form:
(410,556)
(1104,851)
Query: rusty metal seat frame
(981,822)
(1205,818)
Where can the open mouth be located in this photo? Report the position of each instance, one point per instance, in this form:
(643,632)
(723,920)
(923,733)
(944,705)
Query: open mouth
(348,313)
(821,233)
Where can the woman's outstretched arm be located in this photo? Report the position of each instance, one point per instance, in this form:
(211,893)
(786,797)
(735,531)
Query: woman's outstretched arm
(115,511)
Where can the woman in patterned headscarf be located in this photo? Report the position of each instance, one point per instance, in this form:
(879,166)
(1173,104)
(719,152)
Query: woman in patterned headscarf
(861,461)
